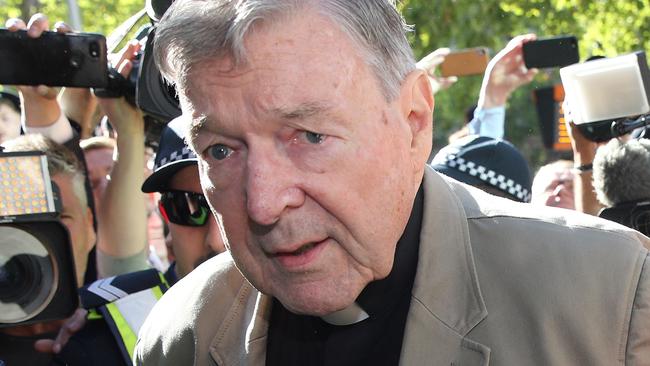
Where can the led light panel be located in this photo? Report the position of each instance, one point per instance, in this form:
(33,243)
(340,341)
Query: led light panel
(25,186)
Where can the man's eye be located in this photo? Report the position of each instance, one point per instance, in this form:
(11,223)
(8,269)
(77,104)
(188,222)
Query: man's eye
(219,151)
(314,138)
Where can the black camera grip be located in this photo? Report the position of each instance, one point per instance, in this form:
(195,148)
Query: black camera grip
(117,85)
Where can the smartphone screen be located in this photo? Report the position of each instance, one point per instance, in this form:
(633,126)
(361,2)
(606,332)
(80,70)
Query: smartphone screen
(551,52)
(471,61)
(53,59)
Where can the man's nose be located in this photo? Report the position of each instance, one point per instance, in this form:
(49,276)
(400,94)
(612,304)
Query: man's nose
(271,186)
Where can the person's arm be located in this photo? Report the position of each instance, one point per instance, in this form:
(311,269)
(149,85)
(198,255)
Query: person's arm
(584,152)
(505,73)
(79,105)
(488,122)
(122,216)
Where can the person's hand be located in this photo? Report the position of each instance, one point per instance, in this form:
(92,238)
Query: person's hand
(40,107)
(124,117)
(505,73)
(71,326)
(429,64)
(584,150)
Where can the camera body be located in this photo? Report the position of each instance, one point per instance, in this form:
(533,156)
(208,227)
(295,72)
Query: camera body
(153,95)
(145,87)
(37,272)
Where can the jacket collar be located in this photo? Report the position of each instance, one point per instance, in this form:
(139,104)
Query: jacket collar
(447,301)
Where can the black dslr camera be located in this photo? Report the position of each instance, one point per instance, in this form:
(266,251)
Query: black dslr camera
(37,272)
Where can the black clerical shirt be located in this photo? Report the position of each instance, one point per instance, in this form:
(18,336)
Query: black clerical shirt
(308,340)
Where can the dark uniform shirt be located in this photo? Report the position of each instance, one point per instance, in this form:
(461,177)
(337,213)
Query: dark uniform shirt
(377,340)
(93,345)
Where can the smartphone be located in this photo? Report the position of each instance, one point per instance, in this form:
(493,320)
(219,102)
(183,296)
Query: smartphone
(472,61)
(551,52)
(53,59)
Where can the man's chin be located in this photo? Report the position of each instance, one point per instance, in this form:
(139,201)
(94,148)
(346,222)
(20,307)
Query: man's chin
(318,305)
(315,308)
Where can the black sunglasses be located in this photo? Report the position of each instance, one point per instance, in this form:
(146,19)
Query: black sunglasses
(184,208)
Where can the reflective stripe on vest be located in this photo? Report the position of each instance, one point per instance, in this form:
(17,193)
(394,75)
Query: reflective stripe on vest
(124,301)
(125,316)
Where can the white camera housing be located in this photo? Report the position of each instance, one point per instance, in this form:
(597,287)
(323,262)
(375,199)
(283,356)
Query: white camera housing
(607,89)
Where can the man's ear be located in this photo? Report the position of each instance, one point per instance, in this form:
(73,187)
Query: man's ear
(90,229)
(416,105)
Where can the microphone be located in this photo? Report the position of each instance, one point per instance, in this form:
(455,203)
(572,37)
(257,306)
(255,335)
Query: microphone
(622,182)
(622,171)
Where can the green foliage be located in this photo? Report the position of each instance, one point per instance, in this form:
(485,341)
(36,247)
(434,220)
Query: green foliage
(99,16)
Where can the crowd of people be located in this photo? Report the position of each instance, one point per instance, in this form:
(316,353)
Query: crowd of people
(338,237)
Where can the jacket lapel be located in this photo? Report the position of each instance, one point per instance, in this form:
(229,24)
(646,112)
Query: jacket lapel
(231,346)
(447,301)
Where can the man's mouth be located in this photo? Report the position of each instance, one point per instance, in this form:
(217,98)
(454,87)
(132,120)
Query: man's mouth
(300,257)
(303,249)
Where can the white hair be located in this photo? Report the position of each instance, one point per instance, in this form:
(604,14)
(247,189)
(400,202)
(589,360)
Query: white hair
(192,31)
(622,172)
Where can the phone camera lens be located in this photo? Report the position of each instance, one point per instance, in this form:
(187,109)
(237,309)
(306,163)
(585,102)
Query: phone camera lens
(76,60)
(94,49)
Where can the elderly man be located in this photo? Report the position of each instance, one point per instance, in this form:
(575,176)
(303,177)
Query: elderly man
(312,127)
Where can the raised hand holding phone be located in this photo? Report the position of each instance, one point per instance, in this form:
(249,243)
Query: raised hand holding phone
(32,55)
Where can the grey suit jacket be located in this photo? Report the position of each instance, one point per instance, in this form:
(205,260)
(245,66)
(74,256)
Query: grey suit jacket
(498,283)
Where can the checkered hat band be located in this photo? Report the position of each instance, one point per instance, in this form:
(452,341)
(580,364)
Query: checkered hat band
(488,176)
(184,154)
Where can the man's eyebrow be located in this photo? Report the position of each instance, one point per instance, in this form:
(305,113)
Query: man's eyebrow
(302,111)
(196,126)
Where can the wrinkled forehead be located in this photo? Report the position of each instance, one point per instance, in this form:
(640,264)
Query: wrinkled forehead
(314,63)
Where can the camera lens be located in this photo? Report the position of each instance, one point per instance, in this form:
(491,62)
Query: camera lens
(28,276)
(19,277)
(93,49)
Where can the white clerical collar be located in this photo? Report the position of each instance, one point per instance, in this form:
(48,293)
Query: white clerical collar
(350,315)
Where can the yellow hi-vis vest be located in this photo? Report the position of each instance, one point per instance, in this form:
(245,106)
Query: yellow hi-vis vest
(124,302)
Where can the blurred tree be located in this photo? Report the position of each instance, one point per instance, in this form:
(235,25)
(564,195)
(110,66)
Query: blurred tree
(98,16)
